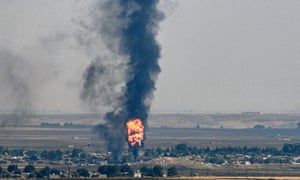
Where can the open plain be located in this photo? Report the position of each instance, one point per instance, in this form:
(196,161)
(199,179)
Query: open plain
(82,136)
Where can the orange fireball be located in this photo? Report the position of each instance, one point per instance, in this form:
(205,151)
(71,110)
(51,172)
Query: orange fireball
(135,132)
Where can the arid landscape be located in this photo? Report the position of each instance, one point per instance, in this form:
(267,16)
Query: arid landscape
(66,132)
(150,89)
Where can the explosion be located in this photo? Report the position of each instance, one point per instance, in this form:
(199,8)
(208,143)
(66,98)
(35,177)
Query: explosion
(135,132)
(123,87)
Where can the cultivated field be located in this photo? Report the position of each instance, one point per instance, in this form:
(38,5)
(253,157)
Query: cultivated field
(53,138)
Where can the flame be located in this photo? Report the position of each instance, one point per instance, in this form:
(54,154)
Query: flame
(135,132)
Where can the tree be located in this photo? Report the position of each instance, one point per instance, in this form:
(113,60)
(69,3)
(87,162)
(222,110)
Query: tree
(157,171)
(113,171)
(55,171)
(31,175)
(29,168)
(44,154)
(55,155)
(33,158)
(52,155)
(146,171)
(172,171)
(126,170)
(83,172)
(32,155)
(17,171)
(76,152)
(259,126)
(148,153)
(182,149)
(291,149)
(45,172)
(110,171)
(16,152)
(12,168)
(31,152)
(102,169)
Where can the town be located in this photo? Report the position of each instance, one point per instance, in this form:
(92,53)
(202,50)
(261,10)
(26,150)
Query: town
(21,163)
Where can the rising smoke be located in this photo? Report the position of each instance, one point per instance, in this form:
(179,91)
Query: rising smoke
(126,79)
(16,91)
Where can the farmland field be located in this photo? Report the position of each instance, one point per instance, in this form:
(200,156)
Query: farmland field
(36,137)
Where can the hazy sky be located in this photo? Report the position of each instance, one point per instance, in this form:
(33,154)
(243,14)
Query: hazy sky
(217,56)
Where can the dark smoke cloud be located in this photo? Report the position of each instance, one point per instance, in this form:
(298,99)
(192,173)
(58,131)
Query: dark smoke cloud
(128,28)
(104,83)
(16,91)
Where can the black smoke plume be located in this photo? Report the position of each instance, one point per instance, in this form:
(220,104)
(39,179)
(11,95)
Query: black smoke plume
(128,28)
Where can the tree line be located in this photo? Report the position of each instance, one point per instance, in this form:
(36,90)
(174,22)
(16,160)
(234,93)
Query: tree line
(185,150)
